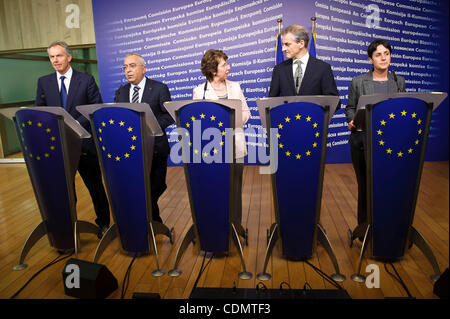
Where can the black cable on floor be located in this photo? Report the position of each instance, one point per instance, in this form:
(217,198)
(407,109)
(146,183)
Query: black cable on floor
(398,278)
(54,261)
(126,278)
(324,275)
(202,269)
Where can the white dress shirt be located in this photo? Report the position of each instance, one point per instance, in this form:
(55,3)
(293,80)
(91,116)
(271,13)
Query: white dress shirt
(68,76)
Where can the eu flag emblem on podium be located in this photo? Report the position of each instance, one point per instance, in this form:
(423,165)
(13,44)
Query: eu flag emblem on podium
(52,149)
(300,130)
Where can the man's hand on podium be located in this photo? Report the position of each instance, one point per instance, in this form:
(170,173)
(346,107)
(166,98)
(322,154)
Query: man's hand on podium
(351,126)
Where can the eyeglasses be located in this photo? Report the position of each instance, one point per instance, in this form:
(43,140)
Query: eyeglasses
(131,66)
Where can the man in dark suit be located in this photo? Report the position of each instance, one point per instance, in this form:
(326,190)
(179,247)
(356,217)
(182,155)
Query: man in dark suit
(68,88)
(300,74)
(141,89)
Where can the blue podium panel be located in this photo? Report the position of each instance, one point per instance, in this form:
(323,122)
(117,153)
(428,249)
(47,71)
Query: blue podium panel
(398,130)
(119,137)
(42,149)
(207,153)
(297,180)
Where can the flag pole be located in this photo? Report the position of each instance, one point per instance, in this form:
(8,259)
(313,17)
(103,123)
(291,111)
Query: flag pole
(278,47)
(312,47)
(313,19)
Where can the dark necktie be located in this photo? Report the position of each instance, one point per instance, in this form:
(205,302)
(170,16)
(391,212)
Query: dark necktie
(63,93)
(135,98)
(298,77)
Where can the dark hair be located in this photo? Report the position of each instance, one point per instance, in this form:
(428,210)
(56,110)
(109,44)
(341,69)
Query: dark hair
(374,45)
(210,62)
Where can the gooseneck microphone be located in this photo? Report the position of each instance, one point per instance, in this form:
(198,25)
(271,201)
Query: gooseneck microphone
(117,93)
(204,90)
(395,79)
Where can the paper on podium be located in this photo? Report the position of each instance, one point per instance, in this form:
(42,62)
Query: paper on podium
(68,119)
(271,102)
(235,104)
(429,97)
(150,119)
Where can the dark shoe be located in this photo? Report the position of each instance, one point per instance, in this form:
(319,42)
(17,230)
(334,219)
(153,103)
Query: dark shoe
(157,218)
(102,231)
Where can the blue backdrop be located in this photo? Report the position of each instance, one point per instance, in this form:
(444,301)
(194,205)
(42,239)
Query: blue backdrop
(172,36)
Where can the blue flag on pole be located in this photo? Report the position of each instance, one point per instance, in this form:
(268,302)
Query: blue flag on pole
(312,47)
(279,57)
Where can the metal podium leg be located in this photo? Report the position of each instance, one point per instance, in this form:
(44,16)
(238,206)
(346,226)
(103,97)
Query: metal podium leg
(188,238)
(272,241)
(358,277)
(86,227)
(323,239)
(244,274)
(242,232)
(420,242)
(107,238)
(32,239)
(82,226)
(157,272)
(162,229)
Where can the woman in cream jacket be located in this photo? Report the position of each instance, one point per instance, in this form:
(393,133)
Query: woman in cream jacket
(215,68)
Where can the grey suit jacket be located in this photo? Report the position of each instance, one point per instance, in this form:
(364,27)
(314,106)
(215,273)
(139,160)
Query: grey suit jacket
(363,85)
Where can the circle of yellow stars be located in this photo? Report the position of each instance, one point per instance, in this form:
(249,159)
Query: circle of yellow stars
(211,118)
(121,125)
(383,124)
(309,148)
(49,135)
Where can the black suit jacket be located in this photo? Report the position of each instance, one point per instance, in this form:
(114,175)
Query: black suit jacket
(155,94)
(82,90)
(317,80)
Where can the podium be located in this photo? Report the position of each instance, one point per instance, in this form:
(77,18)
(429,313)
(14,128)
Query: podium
(396,127)
(206,132)
(51,145)
(124,135)
(300,124)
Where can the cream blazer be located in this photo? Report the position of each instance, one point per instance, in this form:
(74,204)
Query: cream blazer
(234,92)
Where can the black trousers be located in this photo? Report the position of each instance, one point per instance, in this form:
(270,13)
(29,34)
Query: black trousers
(238,172)
(158,182)
(356,142)
(89,170)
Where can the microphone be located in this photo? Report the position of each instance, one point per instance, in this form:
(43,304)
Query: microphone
(395,79)
(117,93)
(204,90)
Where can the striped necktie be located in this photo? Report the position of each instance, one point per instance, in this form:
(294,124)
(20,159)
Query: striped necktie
(135,98)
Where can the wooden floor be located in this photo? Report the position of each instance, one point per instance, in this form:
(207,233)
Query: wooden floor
(19,215)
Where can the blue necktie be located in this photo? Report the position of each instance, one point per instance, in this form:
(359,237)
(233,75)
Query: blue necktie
(63,92)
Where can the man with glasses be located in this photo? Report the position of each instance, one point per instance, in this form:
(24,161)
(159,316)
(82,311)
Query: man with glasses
(141,89)
(69,88)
